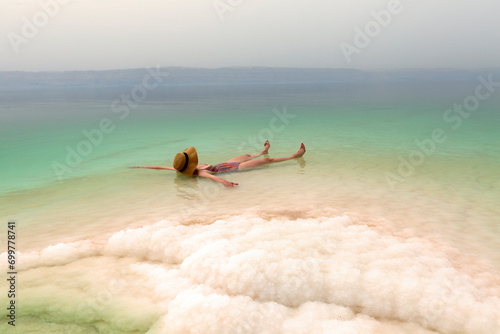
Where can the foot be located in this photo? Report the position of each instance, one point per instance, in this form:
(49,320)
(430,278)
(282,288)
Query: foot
(267,145)
(301,151)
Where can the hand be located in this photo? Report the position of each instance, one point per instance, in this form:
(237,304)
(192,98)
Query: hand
(229,184)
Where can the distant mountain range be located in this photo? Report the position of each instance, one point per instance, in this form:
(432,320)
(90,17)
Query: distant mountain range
(229,75)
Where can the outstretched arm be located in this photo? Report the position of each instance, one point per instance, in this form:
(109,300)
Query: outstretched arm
(226,183)
(156,167)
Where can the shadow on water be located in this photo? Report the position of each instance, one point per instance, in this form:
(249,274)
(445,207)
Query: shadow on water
(187,187)
(302,164)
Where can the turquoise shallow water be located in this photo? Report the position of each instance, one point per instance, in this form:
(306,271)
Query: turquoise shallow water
(372,118)
(360,139)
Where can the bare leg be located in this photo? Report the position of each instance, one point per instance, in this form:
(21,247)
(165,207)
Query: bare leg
(246,157)
(260,162)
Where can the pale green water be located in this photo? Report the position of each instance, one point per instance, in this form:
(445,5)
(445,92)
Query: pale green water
(354,133)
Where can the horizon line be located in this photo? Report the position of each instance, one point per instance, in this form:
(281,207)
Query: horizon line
(269,67)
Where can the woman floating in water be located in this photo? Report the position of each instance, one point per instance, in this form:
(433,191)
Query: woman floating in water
(187,163)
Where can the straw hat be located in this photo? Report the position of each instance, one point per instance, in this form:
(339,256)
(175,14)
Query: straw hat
(186,161)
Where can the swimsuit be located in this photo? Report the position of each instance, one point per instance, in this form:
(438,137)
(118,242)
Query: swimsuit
(224,167)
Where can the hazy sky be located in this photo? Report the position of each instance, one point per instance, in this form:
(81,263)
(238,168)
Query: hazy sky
(110,34)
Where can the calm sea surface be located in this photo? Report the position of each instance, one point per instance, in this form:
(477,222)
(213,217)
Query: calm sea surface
(390,223)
